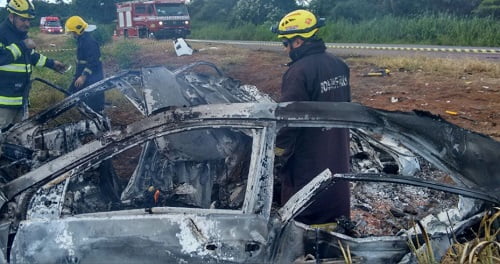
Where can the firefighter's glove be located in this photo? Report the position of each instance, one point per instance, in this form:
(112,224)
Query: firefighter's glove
(59,66)
(279,160)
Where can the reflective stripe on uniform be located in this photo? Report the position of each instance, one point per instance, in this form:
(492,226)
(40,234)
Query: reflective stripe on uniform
(83,61)
(41,61)
(14,49)
(4,100)
(16,67)
(89,71)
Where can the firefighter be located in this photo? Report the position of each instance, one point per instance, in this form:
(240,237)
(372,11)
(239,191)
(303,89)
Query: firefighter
(17,57)
(88,61)
(301,154)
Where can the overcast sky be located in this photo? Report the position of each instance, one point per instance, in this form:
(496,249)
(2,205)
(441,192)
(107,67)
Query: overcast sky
(3,2)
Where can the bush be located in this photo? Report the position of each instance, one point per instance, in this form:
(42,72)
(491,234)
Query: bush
(104,33)
(432,29)
(249,31)
(125,52)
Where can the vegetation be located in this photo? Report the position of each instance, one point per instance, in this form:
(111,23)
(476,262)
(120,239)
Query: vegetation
(439,66)
(123,52)
(42,96)
(426,29)
(463,22)
(435,22)
(103,33)
(484,248)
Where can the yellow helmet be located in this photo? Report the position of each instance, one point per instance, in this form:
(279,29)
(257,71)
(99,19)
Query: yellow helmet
(75,24)
(22,8)
(298,23)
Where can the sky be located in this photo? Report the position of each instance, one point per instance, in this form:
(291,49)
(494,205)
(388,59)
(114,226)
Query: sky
(4,2)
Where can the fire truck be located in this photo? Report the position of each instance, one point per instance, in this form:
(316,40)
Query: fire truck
(154,18)
(51,25)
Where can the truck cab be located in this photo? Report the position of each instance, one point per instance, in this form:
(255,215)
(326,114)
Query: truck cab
(160,19)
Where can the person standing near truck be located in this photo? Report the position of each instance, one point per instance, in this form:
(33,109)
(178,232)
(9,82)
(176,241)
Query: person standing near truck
(17,57)
(88,61)
(303,153)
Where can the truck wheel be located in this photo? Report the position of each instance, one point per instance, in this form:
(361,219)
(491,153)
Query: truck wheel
(158,37)
(143,33)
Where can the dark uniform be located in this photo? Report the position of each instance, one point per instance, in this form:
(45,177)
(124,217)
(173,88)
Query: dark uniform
(315,75)
(88,62)
(16,62)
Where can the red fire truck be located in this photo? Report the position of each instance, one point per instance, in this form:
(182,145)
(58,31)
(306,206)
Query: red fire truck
(153,18)
(51,25)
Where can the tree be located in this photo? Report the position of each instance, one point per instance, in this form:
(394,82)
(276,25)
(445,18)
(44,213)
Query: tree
(211,10)
(356,10)
(260,11)
(456,7)
(488,8)
(323,8)
(286,6)
(411,7)
(98,11)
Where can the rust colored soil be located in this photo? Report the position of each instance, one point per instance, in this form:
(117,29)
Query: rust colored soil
(470,100)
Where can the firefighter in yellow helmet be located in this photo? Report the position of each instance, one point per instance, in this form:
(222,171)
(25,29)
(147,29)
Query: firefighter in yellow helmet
(301,154)
(17,57)
(88,60)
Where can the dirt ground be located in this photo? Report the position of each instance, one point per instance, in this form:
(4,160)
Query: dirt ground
(474,98)
(470,99)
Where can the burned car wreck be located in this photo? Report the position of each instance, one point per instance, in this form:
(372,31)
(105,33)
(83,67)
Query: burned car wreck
(202,189)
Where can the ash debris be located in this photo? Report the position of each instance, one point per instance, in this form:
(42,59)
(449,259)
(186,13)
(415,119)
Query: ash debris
(386,209)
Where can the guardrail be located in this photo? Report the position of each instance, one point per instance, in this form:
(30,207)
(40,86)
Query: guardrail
(478,50)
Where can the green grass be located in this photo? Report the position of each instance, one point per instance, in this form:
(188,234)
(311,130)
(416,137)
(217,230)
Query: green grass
(220,31)
(42,95)
(426,29)
(123,52)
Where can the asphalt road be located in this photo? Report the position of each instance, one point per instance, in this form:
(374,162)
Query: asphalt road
(355,49)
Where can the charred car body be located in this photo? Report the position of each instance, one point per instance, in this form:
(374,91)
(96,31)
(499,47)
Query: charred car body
(203,186)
